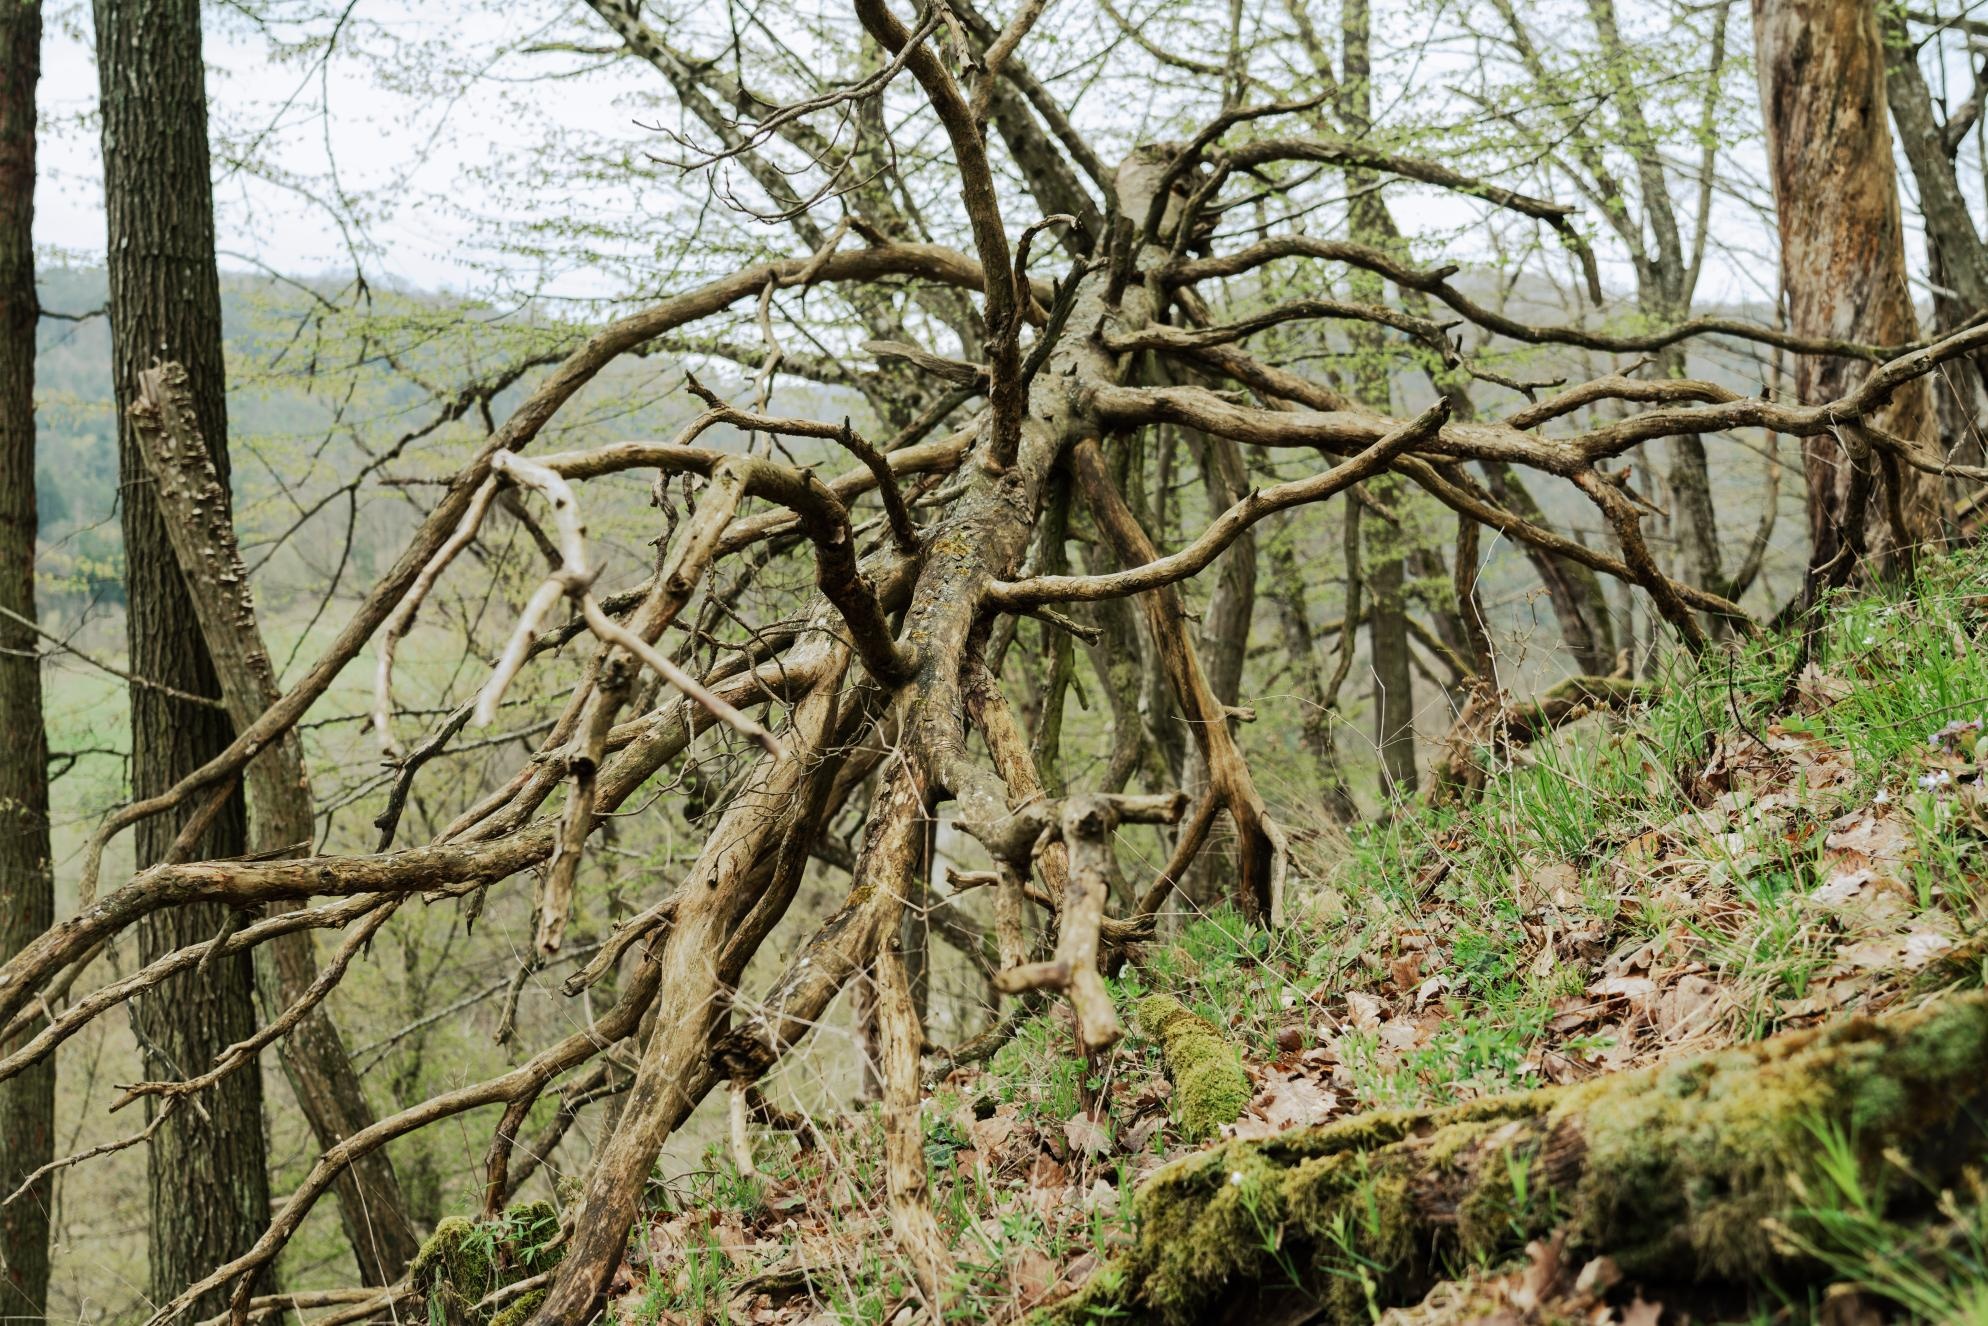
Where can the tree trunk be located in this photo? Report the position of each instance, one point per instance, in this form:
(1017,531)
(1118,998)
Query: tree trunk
(1821,66)
(1955,254)
(208,1170)
(1224,642)
(195,506)
(1368,222)
(1394,681)
(27,882)
(1674,1171)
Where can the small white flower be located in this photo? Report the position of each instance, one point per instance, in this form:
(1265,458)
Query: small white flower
(1236,1177)
(1883,798)
(1938,778)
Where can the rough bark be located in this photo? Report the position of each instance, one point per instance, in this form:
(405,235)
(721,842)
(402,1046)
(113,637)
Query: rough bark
(208,1177)
(195,507)
(1949,224)
(1393,677)
(27,881)
(1821,67)
(1674,1171)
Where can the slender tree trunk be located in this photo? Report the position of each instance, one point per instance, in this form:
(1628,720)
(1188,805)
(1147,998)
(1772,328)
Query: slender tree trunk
(1394,681)
(1821,66)
(1315,729)
(1954,251)
(208,1168)
(195,507)
(1368,221)
(1224,639)
(27,883)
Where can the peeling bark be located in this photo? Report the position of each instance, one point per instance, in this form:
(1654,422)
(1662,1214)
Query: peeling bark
(1822,71)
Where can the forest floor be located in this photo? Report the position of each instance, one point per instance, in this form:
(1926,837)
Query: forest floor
(1753,851)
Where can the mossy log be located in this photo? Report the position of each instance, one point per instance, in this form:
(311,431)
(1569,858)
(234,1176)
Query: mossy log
(1210,1087)
(1673,1171)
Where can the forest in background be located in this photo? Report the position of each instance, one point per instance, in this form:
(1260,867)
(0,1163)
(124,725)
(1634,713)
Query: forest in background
(1545,321)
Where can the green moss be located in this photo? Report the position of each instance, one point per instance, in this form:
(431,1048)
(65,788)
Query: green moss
(1676,1172)
(1210,1088)
(520,1311)
(465,1260)
(456,1267)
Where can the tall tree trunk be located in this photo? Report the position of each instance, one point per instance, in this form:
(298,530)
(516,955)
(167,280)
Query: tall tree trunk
(27,883)
(1955,254)
(209,1181)
(1368,222)
(195,507)
(1821,66)
(1224,636)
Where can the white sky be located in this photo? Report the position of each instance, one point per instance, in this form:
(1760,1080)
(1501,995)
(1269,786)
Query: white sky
(436,177)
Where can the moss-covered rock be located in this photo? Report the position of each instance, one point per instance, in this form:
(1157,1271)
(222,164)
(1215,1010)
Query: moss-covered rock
(464,1261)
(1210,1088)
(1675,1171)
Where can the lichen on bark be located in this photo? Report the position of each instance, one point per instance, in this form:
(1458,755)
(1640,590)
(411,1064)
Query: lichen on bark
(1675,1171)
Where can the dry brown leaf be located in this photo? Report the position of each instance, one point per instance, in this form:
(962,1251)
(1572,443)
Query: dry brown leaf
(1364,1009)
(1296,1102)
(1033,1275)
(1087,1136)
(1690,1007)
(1816,690)
(1874,836)
(1138,1137)
(989,1135)
(1908,951)
(1046,1172)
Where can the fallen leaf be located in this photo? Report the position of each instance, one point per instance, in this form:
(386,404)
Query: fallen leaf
(1295,1102)
(1139,1136)
(1087,1136)
(989,1134)
(1365,1010)
(1033,1275)
(1689,1007)
(1045,1172)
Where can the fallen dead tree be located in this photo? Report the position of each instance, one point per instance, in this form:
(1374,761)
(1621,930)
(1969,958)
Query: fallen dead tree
(884,674)
(1687,1173)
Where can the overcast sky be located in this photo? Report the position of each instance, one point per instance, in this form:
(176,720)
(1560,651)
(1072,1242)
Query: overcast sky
(435,176)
